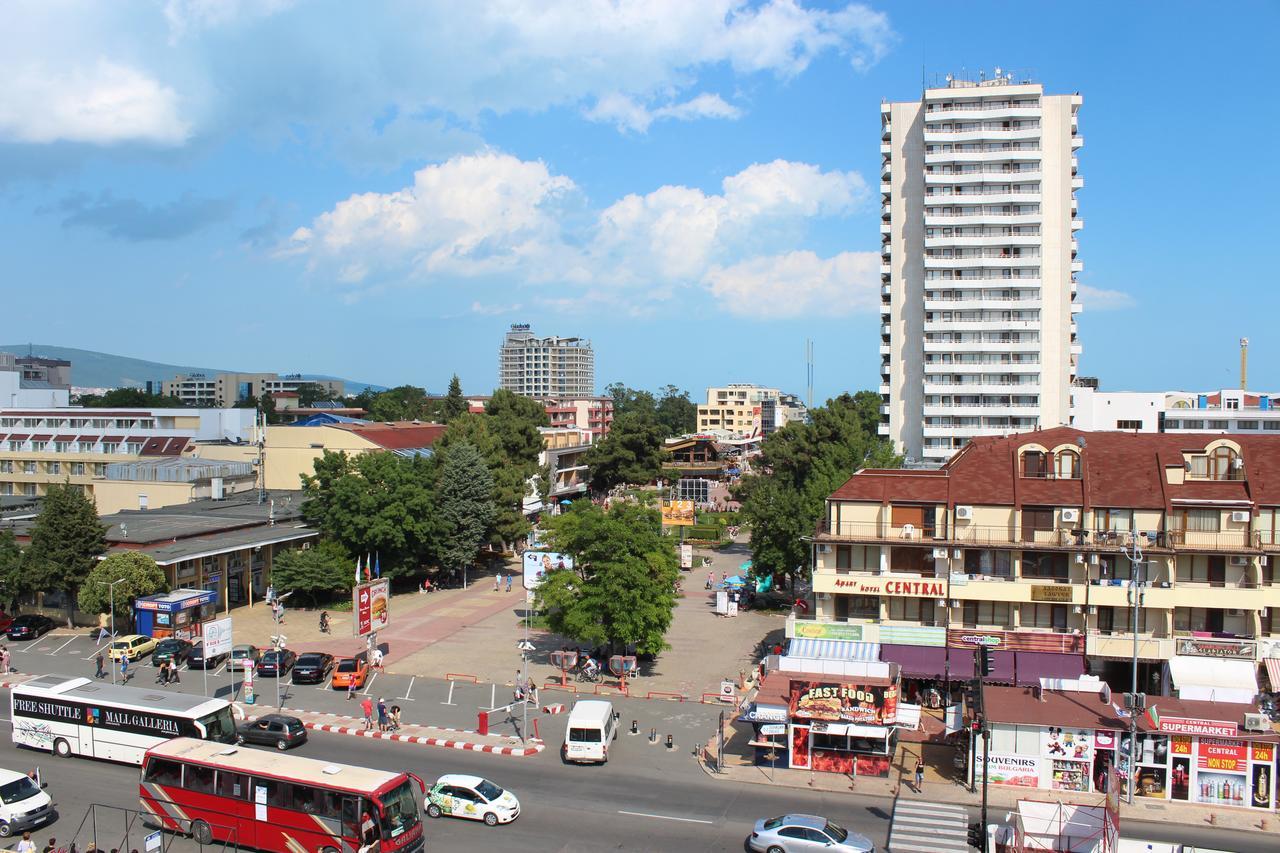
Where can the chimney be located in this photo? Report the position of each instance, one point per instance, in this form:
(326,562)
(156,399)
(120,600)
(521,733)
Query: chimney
(1244,363)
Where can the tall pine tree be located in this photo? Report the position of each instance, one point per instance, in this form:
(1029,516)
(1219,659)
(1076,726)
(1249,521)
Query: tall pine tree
(454,403)
(466,508)
(66,541)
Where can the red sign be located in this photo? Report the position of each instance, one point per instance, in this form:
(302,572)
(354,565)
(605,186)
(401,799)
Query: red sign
(1015,641)
(1263,752)
(902,589)
(873,705)
(1190,726)
(1180,745)
(1217,754)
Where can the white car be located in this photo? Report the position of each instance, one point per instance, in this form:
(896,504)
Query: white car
(471,797)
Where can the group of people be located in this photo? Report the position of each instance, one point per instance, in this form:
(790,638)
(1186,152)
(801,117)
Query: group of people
(167,673)
(26,845)
(388,718)
(499,579)
(5,659)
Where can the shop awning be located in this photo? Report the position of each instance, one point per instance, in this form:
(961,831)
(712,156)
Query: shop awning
(1002,665)
(908,716)
(833,649)
(1214,679)
(764,713)
(918,661)
(855,730)
(1273,672)
(1033,666)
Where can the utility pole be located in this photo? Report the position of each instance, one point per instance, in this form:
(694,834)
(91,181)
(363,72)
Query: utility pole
(1136,596)
(111,588)
(982,666)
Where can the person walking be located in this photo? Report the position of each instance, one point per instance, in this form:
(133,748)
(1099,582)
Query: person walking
(367,707)
(124,668)
(383,722)
(497,582)
(162,674)
(919,773)
(508,581)
(173,673)
(351,688)
(4,659)
(100,662)
(377,659)
(26,845)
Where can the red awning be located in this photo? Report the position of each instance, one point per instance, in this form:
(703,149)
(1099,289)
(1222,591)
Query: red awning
(42,438)
(1033,666)
(64,438)
(1273,672)
(113,438)
(18,437)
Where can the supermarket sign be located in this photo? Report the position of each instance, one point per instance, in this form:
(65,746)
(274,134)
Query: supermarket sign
(1192,726)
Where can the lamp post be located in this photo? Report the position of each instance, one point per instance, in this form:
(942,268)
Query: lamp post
(1134,553)
(111,587)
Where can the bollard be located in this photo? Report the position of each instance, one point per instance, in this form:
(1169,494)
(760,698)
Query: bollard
(1213,819)
(635,727)
(653,735)
(670,742)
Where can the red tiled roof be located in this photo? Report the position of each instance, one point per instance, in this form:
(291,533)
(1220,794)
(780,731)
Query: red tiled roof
(882,485)
(18,437)
(397,435)
(44,437)
(64,438)
(113,438)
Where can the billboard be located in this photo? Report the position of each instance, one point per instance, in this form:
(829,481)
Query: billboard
(217,637)
(538,564)
(686,556)
(678,513)
(871,705)
(371,606)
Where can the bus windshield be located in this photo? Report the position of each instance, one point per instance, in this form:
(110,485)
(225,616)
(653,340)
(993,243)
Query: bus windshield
(219,726)
(399,810)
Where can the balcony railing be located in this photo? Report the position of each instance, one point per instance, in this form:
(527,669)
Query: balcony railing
(1079,538)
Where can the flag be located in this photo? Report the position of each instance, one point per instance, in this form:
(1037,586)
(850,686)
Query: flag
(368,568)
(1153,717)
(358,576)
(377,566)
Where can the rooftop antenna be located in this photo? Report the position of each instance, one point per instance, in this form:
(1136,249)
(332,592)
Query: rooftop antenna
(1244,362)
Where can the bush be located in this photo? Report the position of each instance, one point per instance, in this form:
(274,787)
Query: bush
(709,532)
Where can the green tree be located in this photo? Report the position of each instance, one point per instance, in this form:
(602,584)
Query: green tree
(621,590)
(631,452)
(514,421)
(129,398)
(310,393)
(315,574)
(66,541)
(141,577)
(267,407)
(13,583)
(799,467)
(676,413)
(627,401)
(454,403)
(466,507)
(404,403)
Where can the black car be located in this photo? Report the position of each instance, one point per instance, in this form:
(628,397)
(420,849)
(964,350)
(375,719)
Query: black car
(30,626)
(197,660)
(276,730)
(171,650)
(277,663)
(312,668)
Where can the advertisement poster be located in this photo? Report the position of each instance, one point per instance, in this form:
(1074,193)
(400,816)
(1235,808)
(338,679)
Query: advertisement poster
(848,703)
(371,604)
(1261,786)
(1226,789)
(1225,755)
(686,556)
(217,637)
(1152,782)
(678,513)
(538,564)
(1068,744)
(1180,779)
(1018,771)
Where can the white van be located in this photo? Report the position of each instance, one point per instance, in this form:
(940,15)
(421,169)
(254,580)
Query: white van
(23,805)
(592,727)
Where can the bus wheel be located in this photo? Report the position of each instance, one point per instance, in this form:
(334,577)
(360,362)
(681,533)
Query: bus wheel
(201,832)
(61,748)
(329,850)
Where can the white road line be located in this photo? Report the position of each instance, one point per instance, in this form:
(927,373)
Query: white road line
(666,817)
(406,696)
(368,684)
(64,645)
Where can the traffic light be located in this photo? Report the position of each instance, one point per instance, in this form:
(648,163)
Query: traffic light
(985,665)
(975,836)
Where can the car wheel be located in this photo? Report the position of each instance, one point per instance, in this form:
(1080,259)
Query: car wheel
(490,819)
(282,745)
(433,810)
(776,849)
(61,748)
(239,740)
(201,832)
(5,829)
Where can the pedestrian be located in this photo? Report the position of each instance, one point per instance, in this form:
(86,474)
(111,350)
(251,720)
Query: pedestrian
(162,674)
(383,722)
(4,659)
(711,580)
(367,707)
(51,846)
(173,673)
(395,718)
(497,582)
(508,582)
(919,773)
(26,845)
(100,663)
(351,687)
(124,668)
(377,659)
(522,687)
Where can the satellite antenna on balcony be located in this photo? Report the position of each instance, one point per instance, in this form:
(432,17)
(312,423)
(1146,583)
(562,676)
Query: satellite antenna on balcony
(1080,442)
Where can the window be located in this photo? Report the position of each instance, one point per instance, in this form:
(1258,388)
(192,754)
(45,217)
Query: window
(28,467)
(1246,424)
(1067,465)
(1035,463)
(53,467)
(991,563)
(1045,565)
(235,785)
(200,779)
(912,609)
(99,469)
(1202,568)
(1196,520)
(1036,520)
(1118,520)
(279,794)
(1129,425)
(6,466)
(162,771)
(77,469)
(993,613)
(1197,619)
(1052,616)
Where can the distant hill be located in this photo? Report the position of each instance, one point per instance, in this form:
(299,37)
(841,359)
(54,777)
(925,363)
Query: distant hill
(91,369)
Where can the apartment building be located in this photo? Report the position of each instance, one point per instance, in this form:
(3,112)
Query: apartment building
(978,262)
(1220,411)
(1032,545)
(746,411)
(223,390)
(20,387)
(552,367)
(592,413)
(78,445)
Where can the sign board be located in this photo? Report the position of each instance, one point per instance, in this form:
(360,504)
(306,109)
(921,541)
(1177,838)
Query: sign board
(828,631)
(686,556)
(153,842)
(773,729)
(678,513)
(539,564)
(897,588)
(727,691)
(1052,592)
(1228,649)
(1019,771)
(1015,641)
(371,604)
(217,637)
(1189,726)
(873,705)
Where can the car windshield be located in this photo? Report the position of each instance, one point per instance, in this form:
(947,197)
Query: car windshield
(488,790)
(837,832)
(197,650)
(239,653)
(773,823)
(219,726)
(168,645)
(270,657)
(399,810)
(17,791)
(584,735)
(347,665)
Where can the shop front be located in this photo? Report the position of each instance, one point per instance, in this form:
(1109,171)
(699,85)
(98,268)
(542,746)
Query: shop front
(175,614)
(842,726)
(1019,657)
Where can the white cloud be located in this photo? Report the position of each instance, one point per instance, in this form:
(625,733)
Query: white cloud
(626,113)
(798,284)
(1100,299)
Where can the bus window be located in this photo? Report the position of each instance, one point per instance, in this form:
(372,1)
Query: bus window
(199,779)
(279,794)
(235,785)
(399,810)
(161,771)
(307,799)
(219,726)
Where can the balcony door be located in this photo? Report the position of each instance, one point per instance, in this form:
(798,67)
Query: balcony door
(1217,570)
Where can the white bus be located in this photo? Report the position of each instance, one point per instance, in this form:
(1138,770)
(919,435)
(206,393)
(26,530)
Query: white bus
(80,716)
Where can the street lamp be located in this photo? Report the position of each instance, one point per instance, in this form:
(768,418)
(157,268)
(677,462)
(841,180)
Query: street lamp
(112,591)
(1134,553)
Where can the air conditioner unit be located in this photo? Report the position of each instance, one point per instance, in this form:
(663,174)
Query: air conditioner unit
(1079,558)
(957,554)
(1256,723)
(955,602)
(1071,515)
(1093,610)
(1239,561)
(964,512)
(939,553)
(1240,515)
(824,549)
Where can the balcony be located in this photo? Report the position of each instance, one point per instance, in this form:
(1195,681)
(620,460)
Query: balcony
(1121,646)
(939,262)
(1012,134)
(945,220)
(995,176)
(1220,541)
(975,303)
(1030,154)
(990,197)
(885,187)
(996,240)
(986,325)
(981,346)
(980,112)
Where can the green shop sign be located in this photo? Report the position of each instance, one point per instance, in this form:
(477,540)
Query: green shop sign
(828,631)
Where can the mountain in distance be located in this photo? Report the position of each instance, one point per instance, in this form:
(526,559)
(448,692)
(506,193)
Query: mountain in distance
(90,369)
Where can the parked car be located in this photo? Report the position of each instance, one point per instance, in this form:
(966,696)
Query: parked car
(471,797)
(242,653)
(5,621)
(196,658)
(29,626)
(806,832)
(131,646)
(277,663)
(312,668)
(171,650)
(350,670)
(278,730)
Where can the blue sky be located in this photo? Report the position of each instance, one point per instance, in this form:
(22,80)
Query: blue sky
(377,190)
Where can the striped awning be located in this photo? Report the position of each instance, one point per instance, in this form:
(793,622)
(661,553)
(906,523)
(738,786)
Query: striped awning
(1273,672)
(803,647)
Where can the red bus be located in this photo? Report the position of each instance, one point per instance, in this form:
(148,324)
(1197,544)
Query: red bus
(279,803)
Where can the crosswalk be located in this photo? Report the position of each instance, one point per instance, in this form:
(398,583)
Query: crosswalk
(928,828)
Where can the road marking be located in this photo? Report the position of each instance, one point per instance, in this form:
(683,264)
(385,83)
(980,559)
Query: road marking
(666,817)
(449,700)
(64,645)
(368,684)
(406,696)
